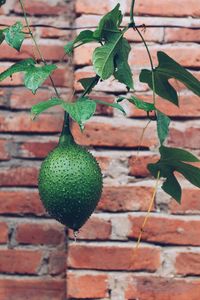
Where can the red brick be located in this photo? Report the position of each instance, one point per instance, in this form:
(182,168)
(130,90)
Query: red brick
(125,198)
(187,136)
(190,203)
(89,7)
(57,262)
(22,98)
(158,288)
(4,233)
(181,35)
(164,230)
(21,122)
(20,202)
(110,133)
(81,286)
(46,32)
(32,289)
(138,164)
(189,106)
(4,150)
(113,258)
(139,58)
(40,234)
(96,228)
(62,77)
(18,176)
(20,261)
(166,8)
(103,109)
(43,8)
(38,149)
(51,51)
(188,263)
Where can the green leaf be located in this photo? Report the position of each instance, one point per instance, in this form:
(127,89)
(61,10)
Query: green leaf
(172,187)
(35,76)
(172,159)
(89,83)
(177,154)
(2,36)
(21,66)
(103,57)
(14,35)
(169,68)
(84,37)
(111,21)
(115,105)
(81,110)
(162,86)
(163,122)
(44,105)
(140,104)
(122,69)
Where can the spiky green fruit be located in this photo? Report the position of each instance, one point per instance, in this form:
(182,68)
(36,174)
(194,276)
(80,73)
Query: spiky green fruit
(70,183)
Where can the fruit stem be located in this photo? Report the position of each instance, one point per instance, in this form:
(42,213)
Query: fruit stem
(66,135)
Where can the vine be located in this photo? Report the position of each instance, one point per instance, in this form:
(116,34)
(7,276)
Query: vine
(110,58)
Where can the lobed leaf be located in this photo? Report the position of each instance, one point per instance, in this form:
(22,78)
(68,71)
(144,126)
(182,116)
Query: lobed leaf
(89,83)
(169,68)
(172,159)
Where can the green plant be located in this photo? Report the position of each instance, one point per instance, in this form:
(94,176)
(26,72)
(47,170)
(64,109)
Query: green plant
(110,58)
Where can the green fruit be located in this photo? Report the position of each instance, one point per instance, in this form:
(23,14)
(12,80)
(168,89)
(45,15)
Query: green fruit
(70,183)
(2,2)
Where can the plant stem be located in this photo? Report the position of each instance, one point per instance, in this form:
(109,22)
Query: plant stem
(151,62)
(132,12)
(36,45)
(149,210)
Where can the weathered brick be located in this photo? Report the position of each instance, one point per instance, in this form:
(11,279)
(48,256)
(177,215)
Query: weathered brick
(57,262)
(37,149)
(114,257)
(4,233)
(166,8)
(185,135)
(4,150)
(190,203)
(125,198)
(43,8)
(138,163)
(110,133)
(18,176)
(181,35)
(96,228)
(33,289)
(40,234)
(188,263)
(89,7)
(90,286)
(21,122)
(20,202)
(165,230)
(158,288)
(20,261)
(50,50)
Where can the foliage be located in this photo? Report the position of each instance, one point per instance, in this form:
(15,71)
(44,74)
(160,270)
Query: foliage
(110,58)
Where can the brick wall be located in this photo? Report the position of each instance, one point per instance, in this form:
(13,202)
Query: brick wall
(102,264)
